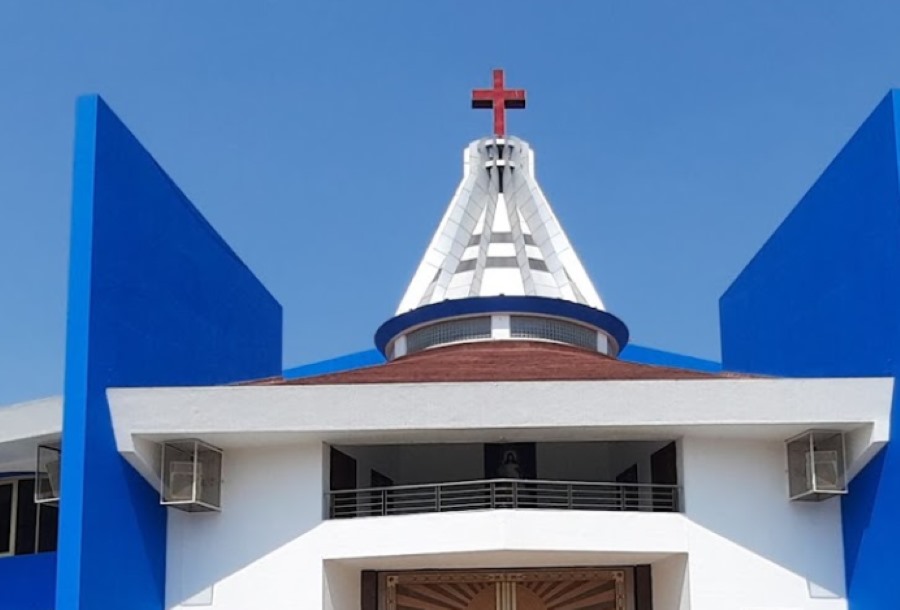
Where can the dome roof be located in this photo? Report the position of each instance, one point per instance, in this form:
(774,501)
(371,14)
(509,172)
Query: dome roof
(500,361)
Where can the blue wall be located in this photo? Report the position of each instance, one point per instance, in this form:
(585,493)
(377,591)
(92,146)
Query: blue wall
(648,355)
(26,582)
(347,362)
(822,298)
(156,298)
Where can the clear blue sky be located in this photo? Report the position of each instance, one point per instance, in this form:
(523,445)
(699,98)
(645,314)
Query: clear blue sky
(324,142)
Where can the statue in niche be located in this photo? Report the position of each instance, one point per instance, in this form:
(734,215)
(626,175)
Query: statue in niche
(509,466)
(509,461)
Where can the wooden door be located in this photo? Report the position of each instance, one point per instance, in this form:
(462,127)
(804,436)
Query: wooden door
(570,590)
(565,589)
(664,466)
(441,594)
(663,471)
(343,478)
(343,471)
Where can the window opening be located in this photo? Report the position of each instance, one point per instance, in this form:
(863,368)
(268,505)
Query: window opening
(550,329)
(452,331)
(25,527)
(7,517)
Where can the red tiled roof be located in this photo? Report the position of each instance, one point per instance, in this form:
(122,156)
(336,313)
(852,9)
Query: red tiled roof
(500,361)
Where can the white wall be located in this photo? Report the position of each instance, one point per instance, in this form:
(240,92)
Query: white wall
(750,547)
(740,546)
(246,556)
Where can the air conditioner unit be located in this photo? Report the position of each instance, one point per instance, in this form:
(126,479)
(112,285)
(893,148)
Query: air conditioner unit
(816,465)
(47,474)
(191,474)
(52,469)
(827,471)
(182,482)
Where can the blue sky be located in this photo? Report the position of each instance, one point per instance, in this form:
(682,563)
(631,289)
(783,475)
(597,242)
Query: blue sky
(324,140)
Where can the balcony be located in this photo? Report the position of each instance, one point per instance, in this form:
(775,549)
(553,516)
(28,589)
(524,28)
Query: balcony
(500,494)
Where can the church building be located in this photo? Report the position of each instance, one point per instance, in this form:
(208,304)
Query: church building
(503,447)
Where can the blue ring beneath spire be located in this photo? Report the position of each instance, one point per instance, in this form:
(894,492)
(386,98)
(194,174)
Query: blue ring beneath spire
(453,308)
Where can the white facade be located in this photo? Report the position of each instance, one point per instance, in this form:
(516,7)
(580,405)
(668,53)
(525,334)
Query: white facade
(737,544)
(499,236)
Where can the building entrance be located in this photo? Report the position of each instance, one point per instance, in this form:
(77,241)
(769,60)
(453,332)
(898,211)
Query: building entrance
(561,589)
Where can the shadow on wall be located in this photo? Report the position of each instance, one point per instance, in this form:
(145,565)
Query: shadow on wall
(342,586)
(670,583)
(738,491)
(271,497)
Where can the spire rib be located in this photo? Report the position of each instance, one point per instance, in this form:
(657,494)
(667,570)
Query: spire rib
(518,237)
(486,232)
(459,240)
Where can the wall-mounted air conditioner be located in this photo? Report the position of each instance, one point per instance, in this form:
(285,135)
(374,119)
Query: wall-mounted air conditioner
(191,476)
(816,465)
(47,474)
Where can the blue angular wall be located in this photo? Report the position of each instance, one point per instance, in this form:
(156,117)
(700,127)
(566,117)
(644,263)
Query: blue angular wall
(156,298)
(27,582)
(822,298)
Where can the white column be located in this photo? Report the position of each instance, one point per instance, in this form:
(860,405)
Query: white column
(602,343)
(399,347)
(500,327)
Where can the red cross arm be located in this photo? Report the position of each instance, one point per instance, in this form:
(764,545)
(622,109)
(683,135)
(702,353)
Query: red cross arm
(499,99)
(483,98)
(515,98)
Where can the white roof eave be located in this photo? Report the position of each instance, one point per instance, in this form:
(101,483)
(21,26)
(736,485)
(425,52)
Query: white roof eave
(25,425)
(246,416)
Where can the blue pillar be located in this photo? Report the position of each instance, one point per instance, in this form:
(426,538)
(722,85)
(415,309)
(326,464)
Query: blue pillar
(156,298)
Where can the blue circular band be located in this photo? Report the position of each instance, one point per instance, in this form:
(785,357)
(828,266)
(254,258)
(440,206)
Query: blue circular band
(453,308)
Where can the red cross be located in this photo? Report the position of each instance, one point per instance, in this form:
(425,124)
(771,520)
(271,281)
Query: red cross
(499,99)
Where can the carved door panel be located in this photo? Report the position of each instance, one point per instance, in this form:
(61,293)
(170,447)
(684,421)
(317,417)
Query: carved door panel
(575,589)
(443,596)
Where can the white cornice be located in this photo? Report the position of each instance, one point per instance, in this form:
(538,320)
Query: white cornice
(245,416)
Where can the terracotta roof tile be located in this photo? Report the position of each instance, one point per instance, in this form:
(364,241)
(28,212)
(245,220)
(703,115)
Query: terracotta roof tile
(500,361)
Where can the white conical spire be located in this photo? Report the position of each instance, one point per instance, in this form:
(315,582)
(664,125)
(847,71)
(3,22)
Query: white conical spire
(499,236)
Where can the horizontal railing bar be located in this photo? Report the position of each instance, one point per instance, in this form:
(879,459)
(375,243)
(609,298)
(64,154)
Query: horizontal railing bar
(519,482)
(524,493)
(502,493)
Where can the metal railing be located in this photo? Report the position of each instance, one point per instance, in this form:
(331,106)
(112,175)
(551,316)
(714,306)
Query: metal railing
(501,493)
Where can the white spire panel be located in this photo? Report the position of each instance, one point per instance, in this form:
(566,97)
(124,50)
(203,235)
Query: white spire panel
(499,235)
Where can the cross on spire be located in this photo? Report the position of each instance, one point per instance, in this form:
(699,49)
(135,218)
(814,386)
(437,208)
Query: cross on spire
(499,99)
